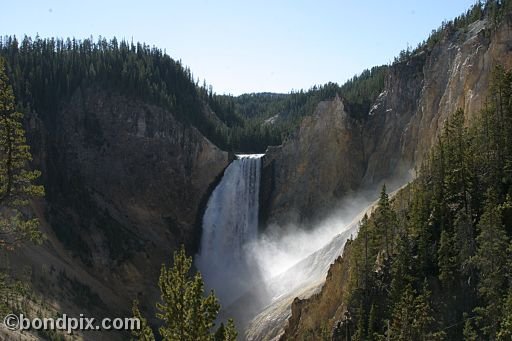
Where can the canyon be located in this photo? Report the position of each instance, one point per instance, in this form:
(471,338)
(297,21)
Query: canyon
(127,182)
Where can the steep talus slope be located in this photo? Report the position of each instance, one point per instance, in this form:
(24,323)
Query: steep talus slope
(125,185)
(303,313)
(401,129)
(300,281)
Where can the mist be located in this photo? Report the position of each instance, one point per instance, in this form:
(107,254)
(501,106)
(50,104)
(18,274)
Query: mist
(279,248)
(295,256)
(271,268)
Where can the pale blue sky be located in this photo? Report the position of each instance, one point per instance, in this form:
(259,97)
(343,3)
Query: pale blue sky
(247,46)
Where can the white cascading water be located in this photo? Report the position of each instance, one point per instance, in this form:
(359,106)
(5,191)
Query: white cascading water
(235,260)
(230,222)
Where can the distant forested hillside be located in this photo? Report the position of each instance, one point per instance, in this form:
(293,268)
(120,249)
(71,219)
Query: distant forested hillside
(46,72)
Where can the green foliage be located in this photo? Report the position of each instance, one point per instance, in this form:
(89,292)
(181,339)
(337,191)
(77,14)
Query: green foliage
(230,332)
(186,313)
(492,262)
(272,117)
(360,92)
(492,10)
(505,332)
(11,291)
(435,260)
(226,333)
(469,333)
(446,261)
(403,270)
(145,333)
(385,223)
(361,331)
(372,323)
(413,316)
(17,182)
(220,334)
(47,72)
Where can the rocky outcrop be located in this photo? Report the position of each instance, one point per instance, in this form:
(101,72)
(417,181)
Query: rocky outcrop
(126,181)
(456,75)
(320,311)
(321,162)
(125,184)
(402,126)
(332,154)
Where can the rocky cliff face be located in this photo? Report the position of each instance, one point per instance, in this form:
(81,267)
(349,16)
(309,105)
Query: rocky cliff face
(125,183)
(332,154)
(403,124)
(320,310)
(322,161)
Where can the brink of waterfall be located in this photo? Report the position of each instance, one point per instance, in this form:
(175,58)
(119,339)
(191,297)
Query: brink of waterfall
(229,223)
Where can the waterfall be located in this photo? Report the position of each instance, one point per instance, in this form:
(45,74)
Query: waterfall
(230,222)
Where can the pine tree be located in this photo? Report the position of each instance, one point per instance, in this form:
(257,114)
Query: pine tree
(456,177)
(402,328)
(187,314)
(220,334)
(364,225)
(451,231)
(423,315)
(446,261)
(17,186)
(226,333)
(469,331)
(402,269)
(420,214)
(464,293)
(16,189)
(413,317)
(464,242)
(372,323)
(230,332)
(505,332)
(145,333)
(385,221)
(360,333)
(491,260)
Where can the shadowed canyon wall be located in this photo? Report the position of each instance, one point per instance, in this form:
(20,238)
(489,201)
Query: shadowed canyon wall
(126,182)
(125,185)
